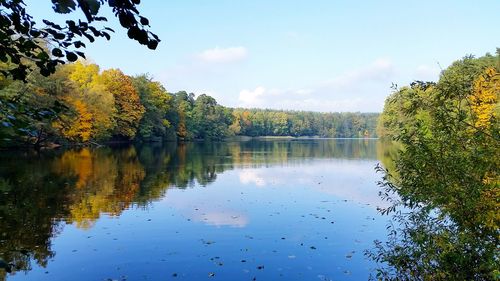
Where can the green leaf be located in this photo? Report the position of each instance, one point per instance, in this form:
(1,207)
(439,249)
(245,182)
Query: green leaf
(81,54)
(144,21)
(57,52)
(71,56)
(93,6)
(152,44)
(63,6)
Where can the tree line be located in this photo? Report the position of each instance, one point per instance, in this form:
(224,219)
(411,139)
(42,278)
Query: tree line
(79,103)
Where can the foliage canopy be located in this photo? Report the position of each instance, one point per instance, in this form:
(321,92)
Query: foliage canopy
(24,43)
(445,186)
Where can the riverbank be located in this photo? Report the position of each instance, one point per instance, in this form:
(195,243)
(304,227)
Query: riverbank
(51,146)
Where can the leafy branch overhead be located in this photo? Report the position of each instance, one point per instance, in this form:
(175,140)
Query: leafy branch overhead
(23,42)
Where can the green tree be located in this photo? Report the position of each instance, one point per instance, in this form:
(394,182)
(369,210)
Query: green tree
(28,110)
(211,120)
(184,103)
(446,178)
(158,104)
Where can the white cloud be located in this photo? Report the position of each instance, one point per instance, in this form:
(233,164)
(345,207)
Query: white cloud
(223,55)
(210,208)
(252,98)
(252,176)
(205,72)
(342,178)
(359,89)
(222,218)
(362,89)
(379,70)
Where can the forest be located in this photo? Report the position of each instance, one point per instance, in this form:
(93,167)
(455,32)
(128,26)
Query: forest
(444,181)
(80,104)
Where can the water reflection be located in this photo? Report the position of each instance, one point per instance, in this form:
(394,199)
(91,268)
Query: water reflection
(102,180)
(42,192)
(252,176)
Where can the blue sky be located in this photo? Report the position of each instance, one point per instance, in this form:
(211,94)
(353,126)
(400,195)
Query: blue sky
(303,55)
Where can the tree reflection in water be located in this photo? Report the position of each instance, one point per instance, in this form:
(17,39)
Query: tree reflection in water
(41,192)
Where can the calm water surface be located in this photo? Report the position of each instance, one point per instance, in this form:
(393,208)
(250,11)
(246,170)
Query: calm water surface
(259,210)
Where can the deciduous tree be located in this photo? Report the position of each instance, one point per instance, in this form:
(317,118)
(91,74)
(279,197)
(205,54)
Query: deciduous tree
(22,41)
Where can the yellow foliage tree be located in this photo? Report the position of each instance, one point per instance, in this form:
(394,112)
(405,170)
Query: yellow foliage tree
(129,109)
(484,99)
(77,127)
(83,74)
(99,100)
(235,127)
(93,106)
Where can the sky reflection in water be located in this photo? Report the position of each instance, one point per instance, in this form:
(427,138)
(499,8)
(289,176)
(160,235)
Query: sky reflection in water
(276,210)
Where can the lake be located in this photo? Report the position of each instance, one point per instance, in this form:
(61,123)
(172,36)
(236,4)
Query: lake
(254,210)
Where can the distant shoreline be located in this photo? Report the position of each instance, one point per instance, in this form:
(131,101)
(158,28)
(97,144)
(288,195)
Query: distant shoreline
(54,146)
(243,138)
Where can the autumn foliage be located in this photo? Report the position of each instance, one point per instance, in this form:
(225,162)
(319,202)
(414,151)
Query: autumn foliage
(484,99)
(82,104)
(445,179)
